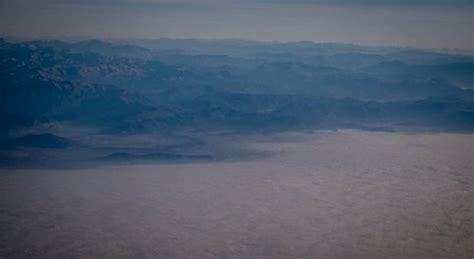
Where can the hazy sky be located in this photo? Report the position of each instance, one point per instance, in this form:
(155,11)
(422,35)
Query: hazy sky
(418,23)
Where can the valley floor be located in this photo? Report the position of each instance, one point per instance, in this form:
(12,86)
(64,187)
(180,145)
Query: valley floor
(341,194)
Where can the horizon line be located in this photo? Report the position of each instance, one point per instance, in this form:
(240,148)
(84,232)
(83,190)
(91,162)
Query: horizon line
(118,39)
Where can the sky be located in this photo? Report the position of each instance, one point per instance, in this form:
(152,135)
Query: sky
(413,23)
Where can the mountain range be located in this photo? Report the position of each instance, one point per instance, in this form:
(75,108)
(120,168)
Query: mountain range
(190,89)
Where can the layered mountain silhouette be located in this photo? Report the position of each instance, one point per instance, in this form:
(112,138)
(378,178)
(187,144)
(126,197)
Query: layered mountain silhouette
(163,86)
